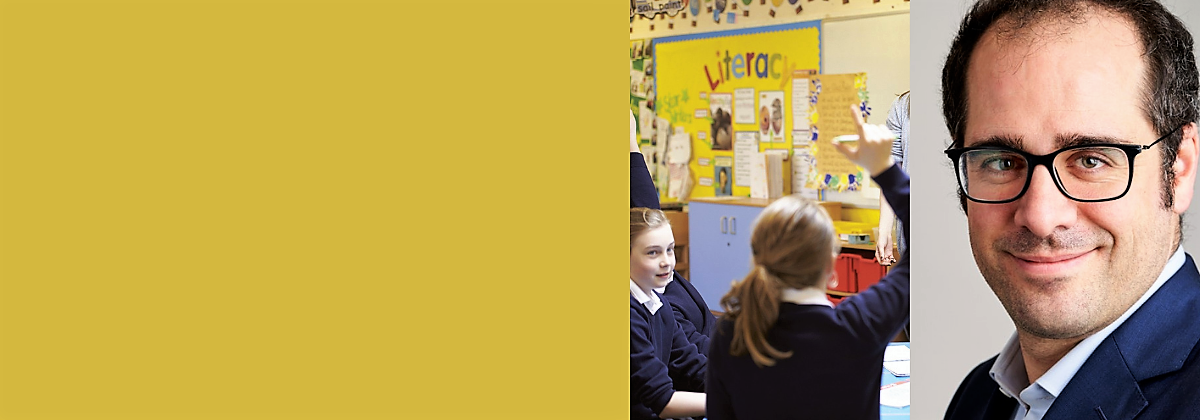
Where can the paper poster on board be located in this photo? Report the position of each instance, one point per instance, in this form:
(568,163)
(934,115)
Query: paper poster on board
(743,106)
(800,105)
(744,149)
(835,95)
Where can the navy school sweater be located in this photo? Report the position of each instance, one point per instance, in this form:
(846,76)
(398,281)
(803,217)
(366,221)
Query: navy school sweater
(837,353)
(658,352)
(692,313)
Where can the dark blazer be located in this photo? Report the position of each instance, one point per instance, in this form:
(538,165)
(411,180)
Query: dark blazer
(1147,368)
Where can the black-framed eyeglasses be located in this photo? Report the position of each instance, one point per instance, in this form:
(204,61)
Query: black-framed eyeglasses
(1088,172)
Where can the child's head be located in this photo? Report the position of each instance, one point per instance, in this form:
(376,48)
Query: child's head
(794,245)
(651,248)
(795,242)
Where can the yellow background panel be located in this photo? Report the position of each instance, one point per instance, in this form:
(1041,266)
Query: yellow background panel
(317,209)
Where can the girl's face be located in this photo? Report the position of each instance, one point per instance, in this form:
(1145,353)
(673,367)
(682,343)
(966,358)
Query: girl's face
(652,258)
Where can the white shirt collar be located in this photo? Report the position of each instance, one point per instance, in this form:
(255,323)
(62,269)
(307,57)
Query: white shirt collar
(805,296)
(1009,369)
(651,301)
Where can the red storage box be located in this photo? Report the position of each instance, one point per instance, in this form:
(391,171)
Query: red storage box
(845,274)
(867,272)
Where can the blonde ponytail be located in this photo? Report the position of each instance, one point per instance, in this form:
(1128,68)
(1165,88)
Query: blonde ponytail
(793,243)
(753,304)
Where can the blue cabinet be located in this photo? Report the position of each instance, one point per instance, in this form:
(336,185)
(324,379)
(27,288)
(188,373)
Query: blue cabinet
(719,231)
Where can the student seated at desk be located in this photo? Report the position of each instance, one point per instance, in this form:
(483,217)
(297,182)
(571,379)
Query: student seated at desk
(690,310)
(661,360)
(782,351)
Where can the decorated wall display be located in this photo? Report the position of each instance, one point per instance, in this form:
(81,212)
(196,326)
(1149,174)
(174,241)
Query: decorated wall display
(833,96)
(652,8)
(732,92)
(718,8)
(641,84)
(659,17)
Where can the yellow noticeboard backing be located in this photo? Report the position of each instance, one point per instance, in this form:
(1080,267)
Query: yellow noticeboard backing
(733,93)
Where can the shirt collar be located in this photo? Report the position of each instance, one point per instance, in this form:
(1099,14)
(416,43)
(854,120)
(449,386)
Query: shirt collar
(1009,369)
(651,301)
(805,296)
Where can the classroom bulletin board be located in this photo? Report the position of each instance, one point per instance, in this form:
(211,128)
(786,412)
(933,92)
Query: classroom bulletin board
(738,92)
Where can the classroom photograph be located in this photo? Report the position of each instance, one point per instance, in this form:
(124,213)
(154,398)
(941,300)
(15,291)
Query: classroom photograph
(769,205)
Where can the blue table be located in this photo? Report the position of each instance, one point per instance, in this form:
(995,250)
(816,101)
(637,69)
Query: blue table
(892,413)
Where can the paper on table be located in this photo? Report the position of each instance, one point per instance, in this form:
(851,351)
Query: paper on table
(900,352)
(894,395)
(897,367)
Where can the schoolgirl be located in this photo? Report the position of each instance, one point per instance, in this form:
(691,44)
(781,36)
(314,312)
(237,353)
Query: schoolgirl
(782,351)
(661,359)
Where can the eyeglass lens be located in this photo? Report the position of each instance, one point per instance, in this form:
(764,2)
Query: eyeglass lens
(1089,173)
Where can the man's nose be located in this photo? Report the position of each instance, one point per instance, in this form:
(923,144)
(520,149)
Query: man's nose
(1044,209)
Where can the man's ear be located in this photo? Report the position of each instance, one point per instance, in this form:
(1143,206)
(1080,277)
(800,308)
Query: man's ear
(1185,168)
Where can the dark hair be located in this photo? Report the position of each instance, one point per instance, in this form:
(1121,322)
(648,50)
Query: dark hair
(1169,99)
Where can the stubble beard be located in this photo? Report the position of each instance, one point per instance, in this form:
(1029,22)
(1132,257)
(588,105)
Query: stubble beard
(1059,307)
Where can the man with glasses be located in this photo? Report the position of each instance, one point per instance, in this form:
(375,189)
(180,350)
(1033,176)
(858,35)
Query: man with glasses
(1075,149)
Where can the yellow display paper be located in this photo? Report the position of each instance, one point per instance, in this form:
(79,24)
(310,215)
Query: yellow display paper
(835,94)
(699,75)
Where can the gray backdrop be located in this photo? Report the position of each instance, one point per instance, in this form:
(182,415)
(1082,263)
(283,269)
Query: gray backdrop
(957,321)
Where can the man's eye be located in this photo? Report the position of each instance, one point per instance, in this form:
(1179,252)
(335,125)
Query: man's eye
(1000,164)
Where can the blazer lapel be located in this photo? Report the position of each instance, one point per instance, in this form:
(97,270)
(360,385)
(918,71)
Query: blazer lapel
(1155,340)
(1104,388)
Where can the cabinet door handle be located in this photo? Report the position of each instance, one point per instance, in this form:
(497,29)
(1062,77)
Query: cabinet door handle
(733,226)
(723,224)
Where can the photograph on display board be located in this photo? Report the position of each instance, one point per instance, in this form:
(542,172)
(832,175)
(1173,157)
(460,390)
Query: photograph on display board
(723,181)
(720,106)
(770,117)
